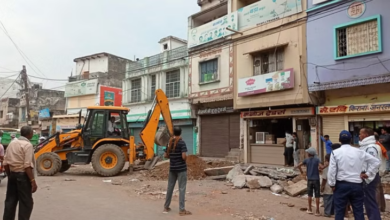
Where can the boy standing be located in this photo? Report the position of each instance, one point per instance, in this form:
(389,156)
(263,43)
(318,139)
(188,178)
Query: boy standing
(327,191)
(313,178)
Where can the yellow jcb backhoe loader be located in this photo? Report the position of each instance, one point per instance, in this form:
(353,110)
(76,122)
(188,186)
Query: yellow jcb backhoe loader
(107,150)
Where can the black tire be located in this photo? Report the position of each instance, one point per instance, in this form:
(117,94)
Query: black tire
(48,164)
(64,166)
(114,153)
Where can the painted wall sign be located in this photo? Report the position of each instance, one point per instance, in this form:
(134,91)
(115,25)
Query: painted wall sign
(44,113)
(213,30)
(110,96)
(278,113)
(353,109)
(356,9)
(266,11)
(211,111)
(264,83)
(84,87)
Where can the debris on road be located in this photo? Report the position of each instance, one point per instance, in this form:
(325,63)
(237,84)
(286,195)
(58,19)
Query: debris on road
(220,177)
(236,171)
(276,188)
(68,179)
(107,181)
(297,188)
(217,171)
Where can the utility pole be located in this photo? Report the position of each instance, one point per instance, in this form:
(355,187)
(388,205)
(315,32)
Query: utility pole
(27,92)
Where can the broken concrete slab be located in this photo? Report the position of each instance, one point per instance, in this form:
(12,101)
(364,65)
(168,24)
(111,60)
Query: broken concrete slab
(236,171)
(264,181)
(220,177)
(248,169)
(239,181)
(297,178)
(276,189)
(297,188)
(218,171)
(252,184)
(253,173)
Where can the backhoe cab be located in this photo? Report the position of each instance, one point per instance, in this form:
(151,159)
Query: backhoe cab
(104,143)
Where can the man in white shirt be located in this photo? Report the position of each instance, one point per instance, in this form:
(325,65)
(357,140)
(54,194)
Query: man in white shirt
(368,144)
(289,149)
(345,176)
(111,126)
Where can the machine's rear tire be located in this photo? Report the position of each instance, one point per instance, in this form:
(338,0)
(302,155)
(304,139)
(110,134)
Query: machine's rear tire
(48,164)
(108,160)
(64,166)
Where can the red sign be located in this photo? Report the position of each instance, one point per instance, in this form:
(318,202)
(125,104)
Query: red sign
(110,96)
(250,82)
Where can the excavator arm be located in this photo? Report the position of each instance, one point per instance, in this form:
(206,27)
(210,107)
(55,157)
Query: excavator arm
(160,106)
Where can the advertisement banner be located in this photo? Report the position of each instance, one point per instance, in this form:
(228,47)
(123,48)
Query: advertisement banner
(44,113)
(266,11)
(110,96)
(213,30)
(353,109)
(84,87)
(271,82)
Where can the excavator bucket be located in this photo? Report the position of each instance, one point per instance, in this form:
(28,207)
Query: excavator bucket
(162,136)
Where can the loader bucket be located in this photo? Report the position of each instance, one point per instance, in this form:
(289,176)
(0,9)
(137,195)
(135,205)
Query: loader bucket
(162,136)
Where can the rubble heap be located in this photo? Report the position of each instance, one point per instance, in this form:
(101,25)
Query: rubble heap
(195,168)
(275,179)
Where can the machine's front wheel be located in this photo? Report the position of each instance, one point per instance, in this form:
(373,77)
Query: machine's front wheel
(48,164)
(108,160)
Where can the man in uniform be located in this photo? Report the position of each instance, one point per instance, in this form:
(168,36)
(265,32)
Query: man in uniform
(19,164)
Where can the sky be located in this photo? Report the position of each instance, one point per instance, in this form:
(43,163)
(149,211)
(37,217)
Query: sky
(52,33)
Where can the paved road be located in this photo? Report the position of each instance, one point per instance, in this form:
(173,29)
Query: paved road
(89,198)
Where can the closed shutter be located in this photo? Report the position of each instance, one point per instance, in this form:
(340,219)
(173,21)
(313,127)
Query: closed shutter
(332,126)
(214,135)
(188,136)
(370,117)
(135,132)
(234,131)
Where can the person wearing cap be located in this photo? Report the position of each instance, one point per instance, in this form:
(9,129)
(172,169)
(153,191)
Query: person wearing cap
(371,184)
(313,178)
(345,176)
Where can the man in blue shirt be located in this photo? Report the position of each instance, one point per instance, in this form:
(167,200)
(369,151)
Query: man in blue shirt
(328,144)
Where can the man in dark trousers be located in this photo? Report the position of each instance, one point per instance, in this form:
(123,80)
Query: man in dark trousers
(177,153)
(19,163)
(345,176)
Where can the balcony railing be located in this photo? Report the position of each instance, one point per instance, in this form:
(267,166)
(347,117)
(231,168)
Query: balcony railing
(159,59)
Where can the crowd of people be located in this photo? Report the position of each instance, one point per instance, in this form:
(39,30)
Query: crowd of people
(350,176)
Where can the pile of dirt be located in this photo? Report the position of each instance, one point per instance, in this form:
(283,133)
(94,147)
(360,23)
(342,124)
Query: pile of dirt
(195,168)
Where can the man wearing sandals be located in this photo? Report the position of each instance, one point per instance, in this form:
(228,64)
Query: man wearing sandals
(177,153)
(345,176)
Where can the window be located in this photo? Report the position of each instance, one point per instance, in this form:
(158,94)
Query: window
(165,46)
(135,90)
(1,114)
(268,62)
(209,70)
(358,39)
(152,86)
(172,85)
(97,124)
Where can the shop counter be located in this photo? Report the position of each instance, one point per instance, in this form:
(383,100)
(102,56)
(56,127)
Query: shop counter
(267,154)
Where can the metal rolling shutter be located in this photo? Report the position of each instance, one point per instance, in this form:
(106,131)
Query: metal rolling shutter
(214,134)
(234,131)
(370,117)
(332,126)
(188,137)
(135,132)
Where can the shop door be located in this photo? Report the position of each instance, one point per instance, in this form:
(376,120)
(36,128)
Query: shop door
(234,131)
(188,136)
(332,126)
(214,134)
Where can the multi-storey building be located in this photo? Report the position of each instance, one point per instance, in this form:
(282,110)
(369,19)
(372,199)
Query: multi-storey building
(9,113)
(168,71)
(211,81)
(348,65)
(270,88)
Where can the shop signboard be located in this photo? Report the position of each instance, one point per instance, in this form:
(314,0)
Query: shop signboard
(44,113)
(270,82)
(278,113)
(266,11)
(213,30)
(80,88)
(354,109)
(214,111)
(110,96)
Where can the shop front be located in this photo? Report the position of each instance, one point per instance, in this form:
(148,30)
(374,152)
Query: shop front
(219,131)
(265,132)
(353,117)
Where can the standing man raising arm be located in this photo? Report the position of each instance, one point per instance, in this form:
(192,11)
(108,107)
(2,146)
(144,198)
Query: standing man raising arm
(19,163)
(345,176)
(328,144)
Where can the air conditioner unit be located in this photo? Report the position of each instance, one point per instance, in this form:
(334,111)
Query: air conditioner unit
(260,137)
